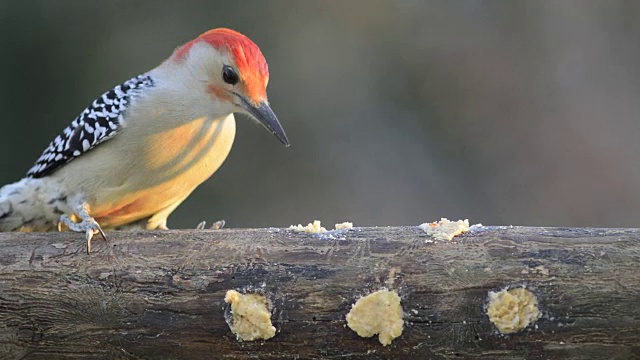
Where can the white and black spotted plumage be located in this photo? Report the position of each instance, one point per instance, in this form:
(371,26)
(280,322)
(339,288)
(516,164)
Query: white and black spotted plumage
(96,124)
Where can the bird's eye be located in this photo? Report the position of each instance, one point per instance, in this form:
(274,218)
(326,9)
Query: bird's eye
(229,75)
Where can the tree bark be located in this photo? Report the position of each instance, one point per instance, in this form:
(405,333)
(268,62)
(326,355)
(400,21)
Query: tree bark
(160,294)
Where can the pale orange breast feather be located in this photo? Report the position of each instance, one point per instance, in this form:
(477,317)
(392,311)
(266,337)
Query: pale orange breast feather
(176,161)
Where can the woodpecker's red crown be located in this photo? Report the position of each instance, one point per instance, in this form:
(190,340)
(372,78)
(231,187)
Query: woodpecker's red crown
(250,63)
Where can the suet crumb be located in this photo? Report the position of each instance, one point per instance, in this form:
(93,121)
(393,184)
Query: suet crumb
(344,226)
(316,228)
(445,229)
(377,313)
(311,228)
(251,318)
(512,310)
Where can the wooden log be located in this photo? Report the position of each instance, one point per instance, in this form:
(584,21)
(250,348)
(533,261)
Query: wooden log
(160,294)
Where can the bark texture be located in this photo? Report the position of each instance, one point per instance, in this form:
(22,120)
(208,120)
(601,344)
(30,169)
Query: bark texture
(160,294)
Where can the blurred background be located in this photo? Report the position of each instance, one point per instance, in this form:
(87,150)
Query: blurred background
(399,112)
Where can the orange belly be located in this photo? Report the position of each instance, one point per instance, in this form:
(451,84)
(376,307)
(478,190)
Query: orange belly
(172,164)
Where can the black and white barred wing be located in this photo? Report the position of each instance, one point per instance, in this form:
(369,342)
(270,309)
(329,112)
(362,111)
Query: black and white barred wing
(95,125)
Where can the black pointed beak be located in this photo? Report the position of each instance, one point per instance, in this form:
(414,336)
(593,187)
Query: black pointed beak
(263,113)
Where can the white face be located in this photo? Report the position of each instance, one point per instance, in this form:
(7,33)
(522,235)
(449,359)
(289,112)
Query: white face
(196,87)
(200,75)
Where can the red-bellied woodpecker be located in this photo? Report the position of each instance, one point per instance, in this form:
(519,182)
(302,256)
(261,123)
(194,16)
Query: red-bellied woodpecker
(140,149)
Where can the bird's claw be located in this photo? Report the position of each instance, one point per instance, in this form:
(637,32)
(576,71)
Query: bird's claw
(94,229)
(216,225)
(88,225)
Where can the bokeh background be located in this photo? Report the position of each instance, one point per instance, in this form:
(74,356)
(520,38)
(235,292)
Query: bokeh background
(399,112)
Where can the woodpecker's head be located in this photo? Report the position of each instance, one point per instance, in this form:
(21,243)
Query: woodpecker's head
(231,75)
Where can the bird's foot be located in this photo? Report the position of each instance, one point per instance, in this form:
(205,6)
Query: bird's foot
(88,225)
(216,225)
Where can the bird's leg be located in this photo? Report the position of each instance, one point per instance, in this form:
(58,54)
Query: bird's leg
(216,225)
(88,225)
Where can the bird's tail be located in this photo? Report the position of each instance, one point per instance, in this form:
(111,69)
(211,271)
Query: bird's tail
(22,207)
